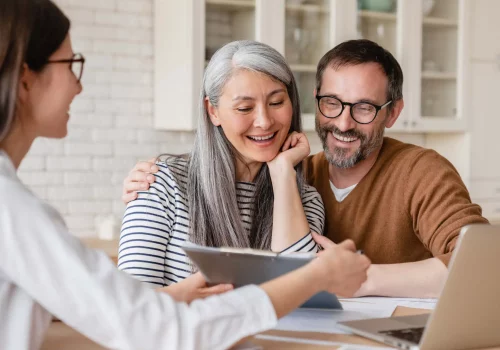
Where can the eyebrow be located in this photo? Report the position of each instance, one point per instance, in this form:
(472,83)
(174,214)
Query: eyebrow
(361,100)
(249,98)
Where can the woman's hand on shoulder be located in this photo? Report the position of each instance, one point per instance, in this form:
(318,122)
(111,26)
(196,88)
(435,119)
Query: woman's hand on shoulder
(343,270)
(139,179)
(294,150)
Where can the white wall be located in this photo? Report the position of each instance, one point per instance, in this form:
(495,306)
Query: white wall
(111,121)
(111,125)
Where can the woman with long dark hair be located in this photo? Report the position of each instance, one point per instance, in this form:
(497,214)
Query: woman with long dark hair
(46,271)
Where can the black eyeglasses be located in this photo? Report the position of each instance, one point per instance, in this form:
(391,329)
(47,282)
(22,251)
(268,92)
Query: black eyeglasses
(76,64)
(361,112)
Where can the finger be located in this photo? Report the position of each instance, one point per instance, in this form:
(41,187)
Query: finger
(137,176)
(129,197)
(218,289)
(286,144)
(322,240)
(135,186)
(348,244)
(146,167)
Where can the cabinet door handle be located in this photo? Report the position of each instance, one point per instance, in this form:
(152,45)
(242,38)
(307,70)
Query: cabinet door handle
(405,123)
(413,123)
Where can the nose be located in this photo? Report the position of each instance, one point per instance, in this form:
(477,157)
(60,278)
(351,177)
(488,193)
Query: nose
(263,119)
(79,88)
(345,121)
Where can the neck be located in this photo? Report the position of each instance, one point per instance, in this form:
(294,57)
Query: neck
(17,143)
(247,171)
(343,178)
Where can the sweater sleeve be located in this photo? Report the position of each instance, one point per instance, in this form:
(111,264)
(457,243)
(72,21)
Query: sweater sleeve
(438,203)
(146,230)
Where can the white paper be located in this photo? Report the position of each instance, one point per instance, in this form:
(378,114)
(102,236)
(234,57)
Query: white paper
(382,302)
(325,321)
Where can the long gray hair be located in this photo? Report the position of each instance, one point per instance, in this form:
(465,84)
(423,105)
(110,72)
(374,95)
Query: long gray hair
(213,208)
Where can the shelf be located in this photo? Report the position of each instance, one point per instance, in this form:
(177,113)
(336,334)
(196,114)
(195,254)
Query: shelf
(439,75)
(303,68)
(384,16)
(439,22)
(307,8)
(232,4)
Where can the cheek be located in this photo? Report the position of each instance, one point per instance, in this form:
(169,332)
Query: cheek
(235,125)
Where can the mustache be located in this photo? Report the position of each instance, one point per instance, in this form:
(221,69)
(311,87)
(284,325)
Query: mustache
(348,134)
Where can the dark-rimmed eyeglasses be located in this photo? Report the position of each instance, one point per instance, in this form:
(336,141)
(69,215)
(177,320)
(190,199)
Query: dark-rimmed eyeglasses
(361,112)
(76,64)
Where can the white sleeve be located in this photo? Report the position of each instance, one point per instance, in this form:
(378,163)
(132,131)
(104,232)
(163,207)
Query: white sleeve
(83,288)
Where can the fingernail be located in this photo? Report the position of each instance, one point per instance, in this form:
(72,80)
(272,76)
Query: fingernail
(144,185)
(151,178)
(154,168)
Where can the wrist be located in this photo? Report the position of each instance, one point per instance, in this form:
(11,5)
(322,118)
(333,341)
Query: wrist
(282,170)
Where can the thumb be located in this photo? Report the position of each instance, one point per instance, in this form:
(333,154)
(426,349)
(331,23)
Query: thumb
(322,240)
(348,244)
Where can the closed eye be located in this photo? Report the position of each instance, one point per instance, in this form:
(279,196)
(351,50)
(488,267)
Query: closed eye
(277,103)
(244,110)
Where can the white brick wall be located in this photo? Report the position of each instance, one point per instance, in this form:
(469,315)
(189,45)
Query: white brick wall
(111,125)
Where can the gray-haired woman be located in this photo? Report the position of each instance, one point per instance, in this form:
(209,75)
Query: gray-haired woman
(242,184)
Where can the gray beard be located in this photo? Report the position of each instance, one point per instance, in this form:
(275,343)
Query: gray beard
(338,156)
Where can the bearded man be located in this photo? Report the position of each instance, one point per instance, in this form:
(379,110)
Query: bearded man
(402,204)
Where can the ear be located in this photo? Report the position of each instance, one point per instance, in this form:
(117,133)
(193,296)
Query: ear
(26,81)
(212,112)
(395,112)
(315,92)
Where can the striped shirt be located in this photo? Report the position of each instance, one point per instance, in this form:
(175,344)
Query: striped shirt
(156,225)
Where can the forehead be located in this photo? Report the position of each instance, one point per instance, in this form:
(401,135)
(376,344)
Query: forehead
(354,82)
(248,82)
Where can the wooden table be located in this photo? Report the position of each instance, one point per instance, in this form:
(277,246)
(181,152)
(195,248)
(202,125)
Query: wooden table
(60,336)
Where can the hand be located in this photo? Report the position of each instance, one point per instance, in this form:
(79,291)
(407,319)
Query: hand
(343,270)
(194,287)
(294,150)
(138,179)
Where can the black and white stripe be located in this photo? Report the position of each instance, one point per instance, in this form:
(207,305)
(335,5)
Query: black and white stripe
(156,224)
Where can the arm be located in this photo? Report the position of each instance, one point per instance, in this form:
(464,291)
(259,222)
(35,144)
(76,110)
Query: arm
(291,230)
(83,288)
(146,229)
(439,205)
(420,279)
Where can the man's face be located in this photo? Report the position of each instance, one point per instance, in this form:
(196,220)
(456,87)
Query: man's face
(345,141)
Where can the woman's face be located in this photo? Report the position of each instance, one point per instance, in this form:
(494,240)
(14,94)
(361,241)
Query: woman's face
(50,94)
(255,113)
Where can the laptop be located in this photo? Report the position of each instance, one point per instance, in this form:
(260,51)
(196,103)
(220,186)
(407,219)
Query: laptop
(467,314)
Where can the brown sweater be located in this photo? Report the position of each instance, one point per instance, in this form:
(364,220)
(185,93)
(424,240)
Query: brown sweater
(409,207)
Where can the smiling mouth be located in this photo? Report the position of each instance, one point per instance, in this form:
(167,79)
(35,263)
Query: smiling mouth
(262,138)
(343,138)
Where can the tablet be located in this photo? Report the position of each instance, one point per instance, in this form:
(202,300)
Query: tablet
(240,267)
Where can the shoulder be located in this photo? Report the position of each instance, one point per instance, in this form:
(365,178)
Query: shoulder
(174,171)
(409,156)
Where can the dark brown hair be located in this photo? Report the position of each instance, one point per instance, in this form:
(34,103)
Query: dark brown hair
(354,52)
(30,32)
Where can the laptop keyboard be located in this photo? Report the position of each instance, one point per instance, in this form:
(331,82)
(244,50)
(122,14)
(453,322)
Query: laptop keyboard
(409,334)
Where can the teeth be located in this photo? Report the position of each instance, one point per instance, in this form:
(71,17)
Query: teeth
(344,139)
(261,138)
